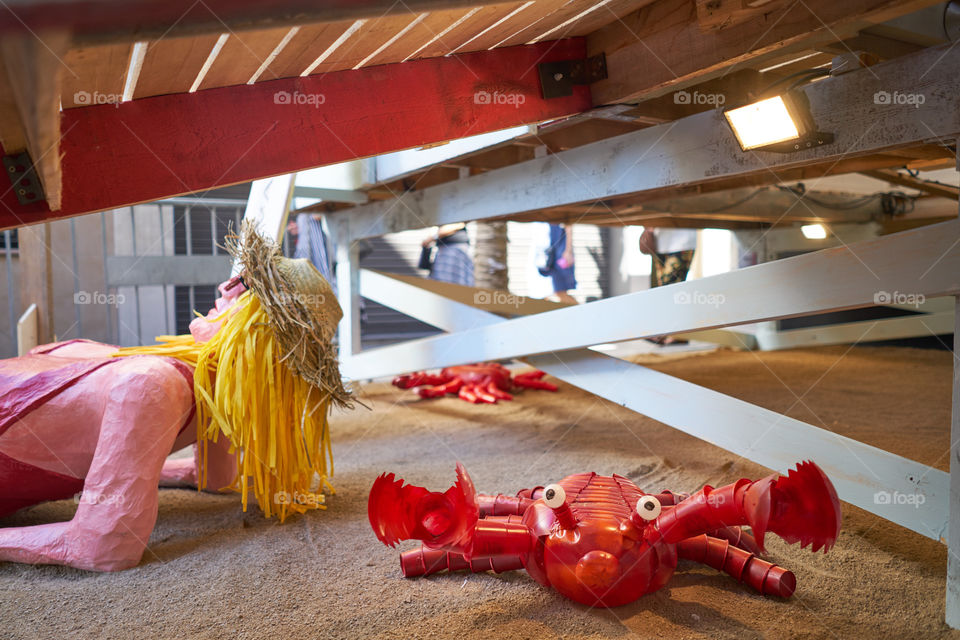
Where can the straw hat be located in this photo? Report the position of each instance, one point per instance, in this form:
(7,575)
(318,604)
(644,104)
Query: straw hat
(300,303)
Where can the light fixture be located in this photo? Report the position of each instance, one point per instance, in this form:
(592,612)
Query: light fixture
(781,123)
(814,231)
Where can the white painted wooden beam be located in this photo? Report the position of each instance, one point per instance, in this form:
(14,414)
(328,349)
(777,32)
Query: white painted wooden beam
(912,326)
(698,149)
(920,261)
(863,475)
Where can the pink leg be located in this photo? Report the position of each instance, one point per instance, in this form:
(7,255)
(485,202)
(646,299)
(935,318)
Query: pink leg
(145,408)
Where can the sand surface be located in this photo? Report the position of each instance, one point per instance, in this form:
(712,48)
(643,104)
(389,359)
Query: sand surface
(212,571)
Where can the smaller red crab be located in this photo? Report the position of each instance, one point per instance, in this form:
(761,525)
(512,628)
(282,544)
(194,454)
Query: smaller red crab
(485,382)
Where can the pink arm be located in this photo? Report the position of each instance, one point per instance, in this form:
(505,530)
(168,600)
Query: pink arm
(221,468)
(144,410)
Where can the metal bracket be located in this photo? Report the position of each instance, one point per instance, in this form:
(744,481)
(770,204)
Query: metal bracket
(558,78)
(808,141)
(26,185)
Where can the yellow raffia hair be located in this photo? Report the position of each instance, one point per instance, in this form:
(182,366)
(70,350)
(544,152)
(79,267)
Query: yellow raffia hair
(273,417)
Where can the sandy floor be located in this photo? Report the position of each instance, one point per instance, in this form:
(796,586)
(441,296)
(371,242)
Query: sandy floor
(212,571)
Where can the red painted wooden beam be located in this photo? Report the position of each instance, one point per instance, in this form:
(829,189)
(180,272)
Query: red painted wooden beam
(170,145)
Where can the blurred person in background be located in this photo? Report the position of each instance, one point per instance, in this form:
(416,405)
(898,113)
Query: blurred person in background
(557,263)
(313,244)
(671,252)
(452,262)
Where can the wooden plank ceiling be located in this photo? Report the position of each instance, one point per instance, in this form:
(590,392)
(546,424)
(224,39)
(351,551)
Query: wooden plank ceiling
(189,63)
(653,49)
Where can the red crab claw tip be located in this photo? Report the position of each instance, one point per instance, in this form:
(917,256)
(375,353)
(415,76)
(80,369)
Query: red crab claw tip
(385,509)
(403,382)
(402,512)
(802,507)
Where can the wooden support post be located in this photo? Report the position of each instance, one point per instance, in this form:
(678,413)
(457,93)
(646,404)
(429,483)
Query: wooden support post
(32,67)
(348,285)
(953,546)
(36,277)
(953,555)
(27,327)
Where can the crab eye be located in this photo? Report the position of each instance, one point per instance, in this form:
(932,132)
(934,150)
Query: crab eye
(648,507)
(554,496)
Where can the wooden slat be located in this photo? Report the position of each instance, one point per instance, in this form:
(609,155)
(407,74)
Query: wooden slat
(482,19)
(419,35)
(367,40)
(574,19)
(933,188)
(152,148)
(172,64)
(96,74)
(308,43)
(108,21)
(665,41)
(241,56)
(510,23)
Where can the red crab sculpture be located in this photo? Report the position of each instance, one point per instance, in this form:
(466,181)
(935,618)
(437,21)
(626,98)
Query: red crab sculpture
(486,382)
(602,541)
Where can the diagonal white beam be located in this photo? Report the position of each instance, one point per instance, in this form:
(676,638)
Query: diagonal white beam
(921,261)
(859,471)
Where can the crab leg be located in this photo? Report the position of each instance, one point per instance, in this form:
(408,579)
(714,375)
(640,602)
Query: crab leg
(497,392)
(767,578)
(441,389)
(799,507)
(738,538)
(532,381)
(467,393)
(418,378)
(501,505)
(425,561)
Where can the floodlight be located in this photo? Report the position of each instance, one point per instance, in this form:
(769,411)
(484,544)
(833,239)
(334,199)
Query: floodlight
(779,123)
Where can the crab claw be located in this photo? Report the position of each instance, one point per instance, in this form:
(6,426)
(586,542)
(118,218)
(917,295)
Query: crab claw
(801,506)
(442,520)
